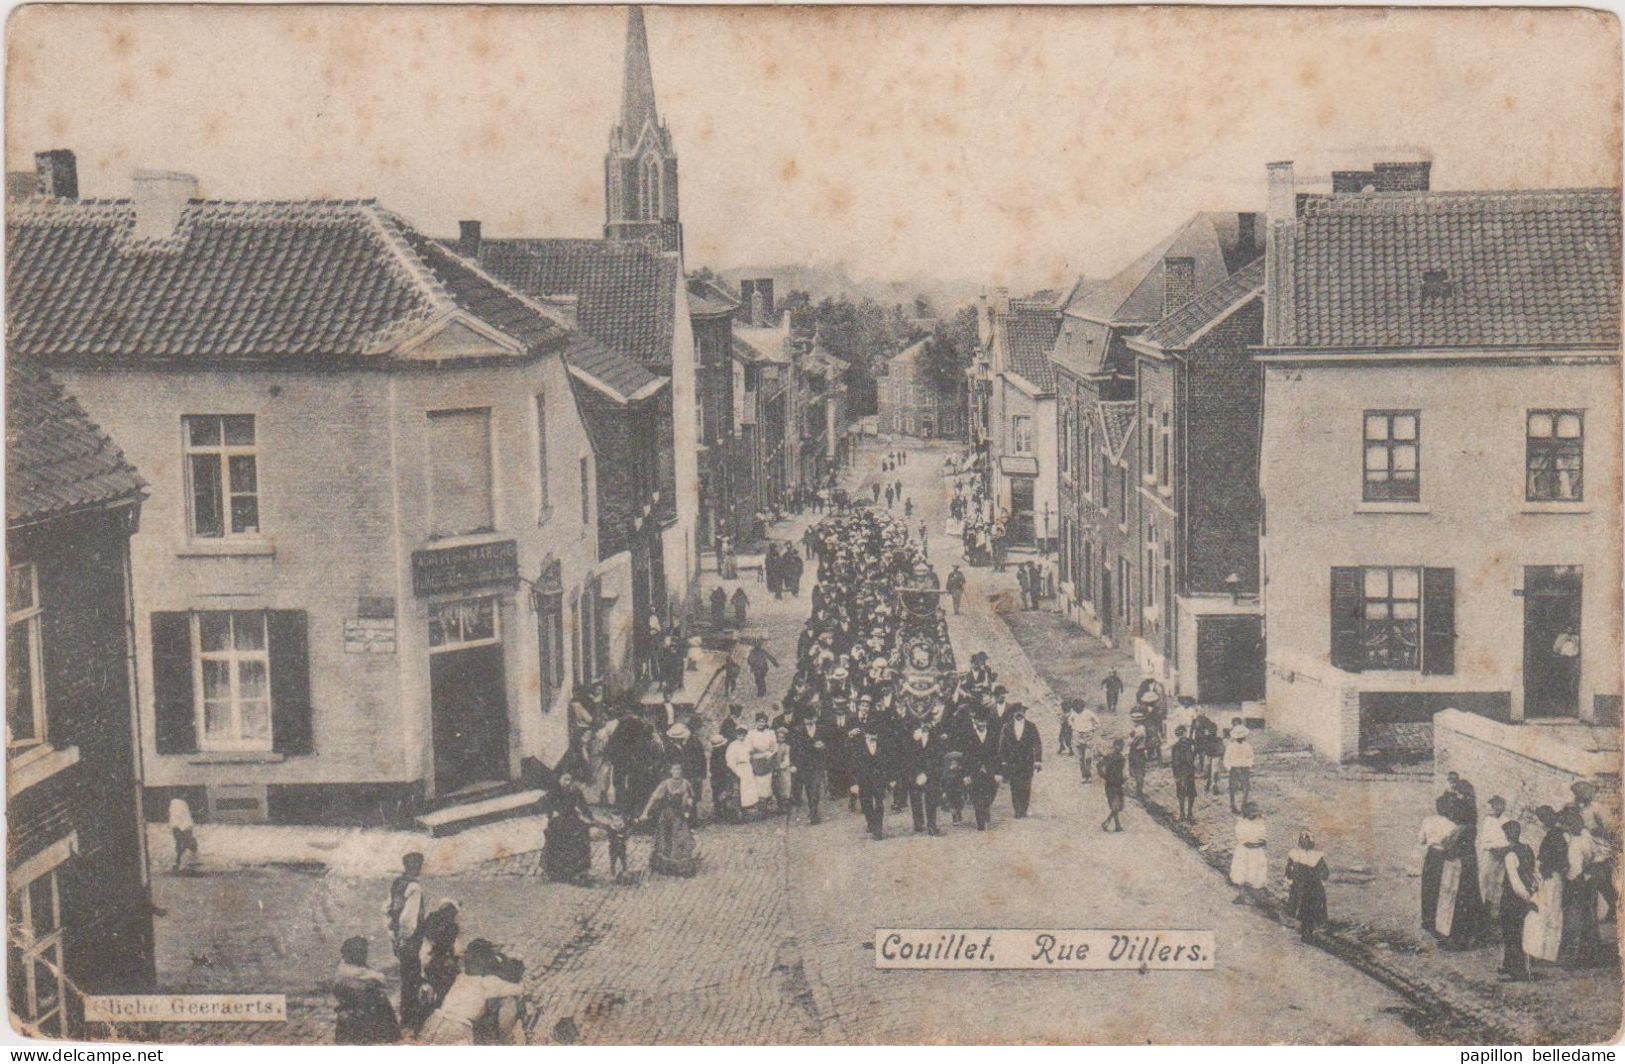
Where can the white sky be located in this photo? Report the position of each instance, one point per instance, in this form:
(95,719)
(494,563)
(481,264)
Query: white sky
(1018,146)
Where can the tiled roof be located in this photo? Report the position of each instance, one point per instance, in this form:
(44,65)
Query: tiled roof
(1535,267)
(321,280)
(708,300)
(1178,329)
(1218,241)
(625,292)
(57,460)
(756,344)
(1030,330)
(1117,424)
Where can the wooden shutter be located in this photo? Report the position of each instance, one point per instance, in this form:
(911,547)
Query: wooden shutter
(1348,601)
(291,730)
(1439,621)
(173,709)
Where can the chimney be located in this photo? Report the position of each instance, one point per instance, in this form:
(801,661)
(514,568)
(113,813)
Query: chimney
(764,288)
(1279,323)
(1403,177)
(468,238)
(58,174)
(1248,235)
(160,197)
(1178,282)
(984,319)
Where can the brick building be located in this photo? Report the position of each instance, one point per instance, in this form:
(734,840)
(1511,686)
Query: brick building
(1110,476)
(1440,470)
(1200,401)
(80,912)
(911,404)
(1022,445)
(370,557)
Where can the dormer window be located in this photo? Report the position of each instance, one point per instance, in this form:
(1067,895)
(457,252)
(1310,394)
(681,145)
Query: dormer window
(1436,284)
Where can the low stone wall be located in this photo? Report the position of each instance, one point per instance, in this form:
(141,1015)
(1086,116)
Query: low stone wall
(1527,764)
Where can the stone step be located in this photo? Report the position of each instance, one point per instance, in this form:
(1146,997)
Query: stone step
(454,818)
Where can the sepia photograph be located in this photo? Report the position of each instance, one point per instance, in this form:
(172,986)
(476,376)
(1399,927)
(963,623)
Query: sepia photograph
(1085,526)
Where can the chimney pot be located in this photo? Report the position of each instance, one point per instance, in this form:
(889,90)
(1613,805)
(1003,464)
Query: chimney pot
(58,172)
(160,196)
(468,237)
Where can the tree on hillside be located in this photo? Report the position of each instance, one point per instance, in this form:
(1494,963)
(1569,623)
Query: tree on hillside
(950,350)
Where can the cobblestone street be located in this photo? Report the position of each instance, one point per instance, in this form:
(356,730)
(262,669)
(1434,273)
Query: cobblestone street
(772,942)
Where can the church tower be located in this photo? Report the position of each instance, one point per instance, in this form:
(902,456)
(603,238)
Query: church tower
(640,169)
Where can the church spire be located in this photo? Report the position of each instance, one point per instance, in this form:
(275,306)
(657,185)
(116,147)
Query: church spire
(638,87)
(640,169)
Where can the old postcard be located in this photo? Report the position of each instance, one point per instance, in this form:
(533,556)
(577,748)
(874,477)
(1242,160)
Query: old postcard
(812,525)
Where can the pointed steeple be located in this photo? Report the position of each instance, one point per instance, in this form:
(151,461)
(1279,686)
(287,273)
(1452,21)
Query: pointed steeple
(638,86)
(640,169)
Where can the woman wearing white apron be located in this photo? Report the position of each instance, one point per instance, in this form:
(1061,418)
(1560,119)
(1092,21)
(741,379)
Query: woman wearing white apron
(1543,928)
(1249,867)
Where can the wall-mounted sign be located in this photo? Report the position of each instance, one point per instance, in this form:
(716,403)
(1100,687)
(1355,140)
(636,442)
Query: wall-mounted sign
(435,572)
(369,635)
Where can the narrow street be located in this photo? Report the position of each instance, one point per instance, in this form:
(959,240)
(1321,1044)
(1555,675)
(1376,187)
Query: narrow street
(772,941)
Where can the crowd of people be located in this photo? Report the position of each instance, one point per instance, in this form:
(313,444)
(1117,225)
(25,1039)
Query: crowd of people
(1483,881)
(449,994)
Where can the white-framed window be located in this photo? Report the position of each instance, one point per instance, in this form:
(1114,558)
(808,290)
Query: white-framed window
(222,475)
(34,955)
(1391,615)
(232,679)
(544,503)
(25,673)
(1555,455)
(1021,433)
(1393,455)
(463,623)
(460,472)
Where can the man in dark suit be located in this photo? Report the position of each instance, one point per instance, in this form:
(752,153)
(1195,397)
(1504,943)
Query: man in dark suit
(809,757)
(1022,753)
(980,743)
(871,764)
(920,762)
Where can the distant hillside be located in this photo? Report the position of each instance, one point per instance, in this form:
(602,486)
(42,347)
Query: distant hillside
(835,280)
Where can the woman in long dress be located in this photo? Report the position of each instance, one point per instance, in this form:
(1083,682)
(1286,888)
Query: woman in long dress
(1580,943)
(1249,866)
(1543,928)
(479,993)
(1307,870)
(674,851)
(1441,877)
(739,764)
(567,839)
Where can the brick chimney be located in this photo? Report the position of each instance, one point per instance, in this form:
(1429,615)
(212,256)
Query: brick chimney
(160,197)
(1178,282)
(1279,323)
(1403,177)
(468,238)
(58,174)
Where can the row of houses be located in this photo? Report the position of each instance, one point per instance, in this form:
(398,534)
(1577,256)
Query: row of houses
(1328,461)
(315,517)
(403,494)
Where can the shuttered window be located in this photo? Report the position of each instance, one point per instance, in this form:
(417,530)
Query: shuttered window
(1398,618)
(231,680)
(460,472)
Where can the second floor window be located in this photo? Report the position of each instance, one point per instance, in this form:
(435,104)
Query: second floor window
(222,475)
(1021,433)
(460,472)
(1556,456)
(25,675)
(1167,448)
(1393,455)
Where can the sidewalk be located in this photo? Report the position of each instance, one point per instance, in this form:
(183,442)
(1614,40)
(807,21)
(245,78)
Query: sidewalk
(1367,828)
